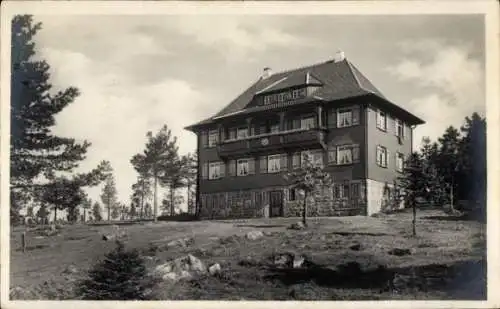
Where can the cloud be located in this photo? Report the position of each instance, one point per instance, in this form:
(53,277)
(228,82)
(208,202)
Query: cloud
(452,83)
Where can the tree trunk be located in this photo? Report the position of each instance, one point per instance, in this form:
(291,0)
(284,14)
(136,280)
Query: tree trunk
(55,214)
(451,195)
(304,210)
(172,200)
(142,201)
(188,201)
(84,215)
(414,221)
(155,202)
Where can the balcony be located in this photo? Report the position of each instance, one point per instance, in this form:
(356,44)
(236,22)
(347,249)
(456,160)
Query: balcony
(271,142)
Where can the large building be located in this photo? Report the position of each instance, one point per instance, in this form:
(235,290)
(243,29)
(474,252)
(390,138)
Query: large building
(329,110)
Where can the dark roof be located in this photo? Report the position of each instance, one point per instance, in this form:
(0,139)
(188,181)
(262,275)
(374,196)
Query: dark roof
(339,80)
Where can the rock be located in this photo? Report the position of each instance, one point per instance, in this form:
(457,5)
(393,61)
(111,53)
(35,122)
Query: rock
(39,237)
(182,268)
(71,269)
(254,235)
(248,261)
(108,237)
(298,261)
(400,252)
(355,247)
(268,233)
(215,269)
(297,226)
(283,260)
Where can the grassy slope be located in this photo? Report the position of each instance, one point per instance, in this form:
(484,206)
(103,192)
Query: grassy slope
(454,245)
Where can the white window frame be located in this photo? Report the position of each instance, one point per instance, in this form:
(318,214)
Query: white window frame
(400,162)
(304,123)
(242,129)
(341,115)
(213,138)
(241,171)
(273,159)
(381,120)
(382,150)
(214,170)
(344,148)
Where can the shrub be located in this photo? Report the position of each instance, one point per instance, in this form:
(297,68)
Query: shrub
(121,275)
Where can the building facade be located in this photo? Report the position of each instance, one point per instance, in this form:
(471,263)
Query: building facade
(330,111)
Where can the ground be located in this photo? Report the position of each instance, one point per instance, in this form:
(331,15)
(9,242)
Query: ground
(349,256)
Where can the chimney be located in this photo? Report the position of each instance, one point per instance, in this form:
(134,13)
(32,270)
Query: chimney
(339,56)
(267,72)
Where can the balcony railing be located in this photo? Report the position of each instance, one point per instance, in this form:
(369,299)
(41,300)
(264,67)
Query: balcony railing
(272,141)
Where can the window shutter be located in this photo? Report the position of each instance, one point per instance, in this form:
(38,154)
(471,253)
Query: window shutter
(251,166)
(395,127)
(332,118)
(222,170)
(296,160)
(204,171)
(388,155)
(355,115)
(283,162)
(355,153)
(263,165)
(204,139)
(231,168)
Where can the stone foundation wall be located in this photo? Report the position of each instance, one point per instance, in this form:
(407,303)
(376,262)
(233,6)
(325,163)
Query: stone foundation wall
(255,204)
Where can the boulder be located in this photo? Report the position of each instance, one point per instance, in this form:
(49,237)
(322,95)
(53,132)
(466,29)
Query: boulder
(108,237)
(181,242)
(71,269)
(214,269)
(298,261)
(283,260)
(254,235)
(181,268)
(297,226)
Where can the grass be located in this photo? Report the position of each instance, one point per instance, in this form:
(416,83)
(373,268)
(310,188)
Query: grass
(348,258)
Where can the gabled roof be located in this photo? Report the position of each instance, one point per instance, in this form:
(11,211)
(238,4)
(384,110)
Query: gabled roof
(338,80)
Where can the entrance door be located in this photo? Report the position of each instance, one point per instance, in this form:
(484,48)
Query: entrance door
(276,203)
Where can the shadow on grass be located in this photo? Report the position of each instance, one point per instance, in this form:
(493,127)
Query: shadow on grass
(461,280)
(359,233)
(446,218)
(260,225)
(31,248)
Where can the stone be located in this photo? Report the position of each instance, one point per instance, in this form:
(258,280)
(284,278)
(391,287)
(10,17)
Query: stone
(71,269)
(297,226)
(298,261)
(108,237)
(254,235)
(215,269)
(181,268)
(283,260)
(400,252)
(181,242)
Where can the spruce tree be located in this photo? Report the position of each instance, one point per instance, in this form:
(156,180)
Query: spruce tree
(121,275)
(96,212)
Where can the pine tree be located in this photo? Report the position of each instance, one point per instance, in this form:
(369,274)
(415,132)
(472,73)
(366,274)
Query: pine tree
(86,205)
(36,154)
(307,178)
(157,160)
(141,192)
(43,214)
(133,211)
(96,212)
(122,275)
(433,179)
(449,162)
(108,196)
(191,172)
(412,182)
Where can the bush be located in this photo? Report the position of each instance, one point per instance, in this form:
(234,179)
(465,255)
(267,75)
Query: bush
(182,217)
(121,275)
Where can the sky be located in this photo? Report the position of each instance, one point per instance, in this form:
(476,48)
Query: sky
(137,73)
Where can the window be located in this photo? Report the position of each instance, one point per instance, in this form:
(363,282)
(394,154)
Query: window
(292,194)
(316,157)
(343,154)
(273,163)
(215,170)
(400,162)
(213,137)
(355,190)
(381,156)
(400,132)
(344,118)
(242,133)
(341,191)
(232,133)
(275,128)
(381,120)
(307,123)
(243,167)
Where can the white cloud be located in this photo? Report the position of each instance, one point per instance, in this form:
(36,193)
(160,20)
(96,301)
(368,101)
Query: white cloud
(451,83)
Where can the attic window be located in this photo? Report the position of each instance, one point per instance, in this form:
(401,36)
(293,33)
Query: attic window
(285,96)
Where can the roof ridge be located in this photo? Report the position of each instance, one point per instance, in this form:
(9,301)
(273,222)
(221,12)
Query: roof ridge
(271,85)
(351,69)
(302,67)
